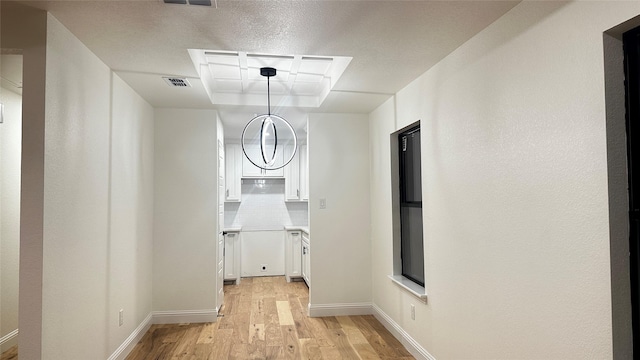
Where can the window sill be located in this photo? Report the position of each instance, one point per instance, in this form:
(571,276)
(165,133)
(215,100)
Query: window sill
(413,288)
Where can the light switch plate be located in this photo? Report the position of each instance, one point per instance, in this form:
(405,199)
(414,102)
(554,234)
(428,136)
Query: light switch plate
(323,203)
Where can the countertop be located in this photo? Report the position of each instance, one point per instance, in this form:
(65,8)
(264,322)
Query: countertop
(287,228)
(298,228)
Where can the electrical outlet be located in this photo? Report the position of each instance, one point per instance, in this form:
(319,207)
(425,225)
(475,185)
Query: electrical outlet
(121,317)
(413,312)
(263,267)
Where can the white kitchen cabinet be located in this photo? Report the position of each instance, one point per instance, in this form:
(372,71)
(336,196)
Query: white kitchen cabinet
(304,172)
(306,256)
(293,255)
(220,200)
(232,256)
(220,270)
(292,175)
(233,178)
(250,170)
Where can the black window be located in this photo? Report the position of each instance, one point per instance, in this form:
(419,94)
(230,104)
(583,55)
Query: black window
(411,249)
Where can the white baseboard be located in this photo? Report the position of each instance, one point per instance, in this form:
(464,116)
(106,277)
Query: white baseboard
(398,332)
(320,310)
(315,310)
(185,316)
(161,317)
(10,338)
(128,345)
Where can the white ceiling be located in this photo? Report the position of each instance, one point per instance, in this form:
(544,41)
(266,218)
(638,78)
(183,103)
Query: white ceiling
(390,42)
(235,77)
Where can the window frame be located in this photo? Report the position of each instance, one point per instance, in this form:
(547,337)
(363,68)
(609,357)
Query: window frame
(405,282)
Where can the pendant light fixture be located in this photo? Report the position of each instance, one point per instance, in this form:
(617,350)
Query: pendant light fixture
(268,140)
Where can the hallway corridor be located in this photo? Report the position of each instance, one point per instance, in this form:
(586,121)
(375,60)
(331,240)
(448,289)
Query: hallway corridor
(265,318)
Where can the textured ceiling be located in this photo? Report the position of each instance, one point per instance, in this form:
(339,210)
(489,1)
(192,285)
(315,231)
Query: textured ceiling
(391,42)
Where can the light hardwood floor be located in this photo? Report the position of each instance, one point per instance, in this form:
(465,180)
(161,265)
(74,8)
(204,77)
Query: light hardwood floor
(265,318)
(10,354)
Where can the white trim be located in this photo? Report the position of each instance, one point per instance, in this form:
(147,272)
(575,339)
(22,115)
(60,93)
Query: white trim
(125,348)
(10,336)
(185,316)
(398,332)
(320,310)
(413,288)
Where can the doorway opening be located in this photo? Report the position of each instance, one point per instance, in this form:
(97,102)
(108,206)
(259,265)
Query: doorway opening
(631,46)
(10,178)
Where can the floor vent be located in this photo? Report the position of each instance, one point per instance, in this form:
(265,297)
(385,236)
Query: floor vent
(177,82)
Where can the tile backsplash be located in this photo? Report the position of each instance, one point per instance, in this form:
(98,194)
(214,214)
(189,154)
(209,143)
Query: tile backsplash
(263,207)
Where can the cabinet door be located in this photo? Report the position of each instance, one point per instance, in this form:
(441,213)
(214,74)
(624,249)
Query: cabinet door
(221,195)
(221,185)
(230,271)
(233,153)
(304,172)
(293,255)
(296,254)
(250,170)
(305,261)
(220,270)
(292,175)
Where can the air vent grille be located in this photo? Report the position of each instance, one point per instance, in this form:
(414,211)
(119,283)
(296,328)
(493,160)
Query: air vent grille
(190,2)
(200,2)
(177,82)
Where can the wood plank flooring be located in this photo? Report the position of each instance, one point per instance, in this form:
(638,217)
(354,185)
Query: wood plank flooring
(10,354)
(265,318)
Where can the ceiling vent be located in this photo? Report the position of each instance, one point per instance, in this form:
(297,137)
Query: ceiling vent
(177,82)
(191,2)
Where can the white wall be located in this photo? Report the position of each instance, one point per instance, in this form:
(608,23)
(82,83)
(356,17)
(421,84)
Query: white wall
(340,242)
(73,245)
(185,215)
(514,190)
(262,248)
(131,212)
(10,145)
(76,203)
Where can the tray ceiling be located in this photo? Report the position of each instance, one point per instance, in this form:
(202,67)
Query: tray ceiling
(233,77)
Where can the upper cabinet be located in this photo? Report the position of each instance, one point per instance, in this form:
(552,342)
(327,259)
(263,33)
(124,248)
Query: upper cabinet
(295,175)
(250,170)
(233,180)
(304,172)
(292,175)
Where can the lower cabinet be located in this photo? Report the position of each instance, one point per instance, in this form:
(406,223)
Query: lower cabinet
(232,256)
(306,256)
(219,277)
(293,255)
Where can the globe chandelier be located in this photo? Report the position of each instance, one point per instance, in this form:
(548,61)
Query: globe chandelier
(266,136)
